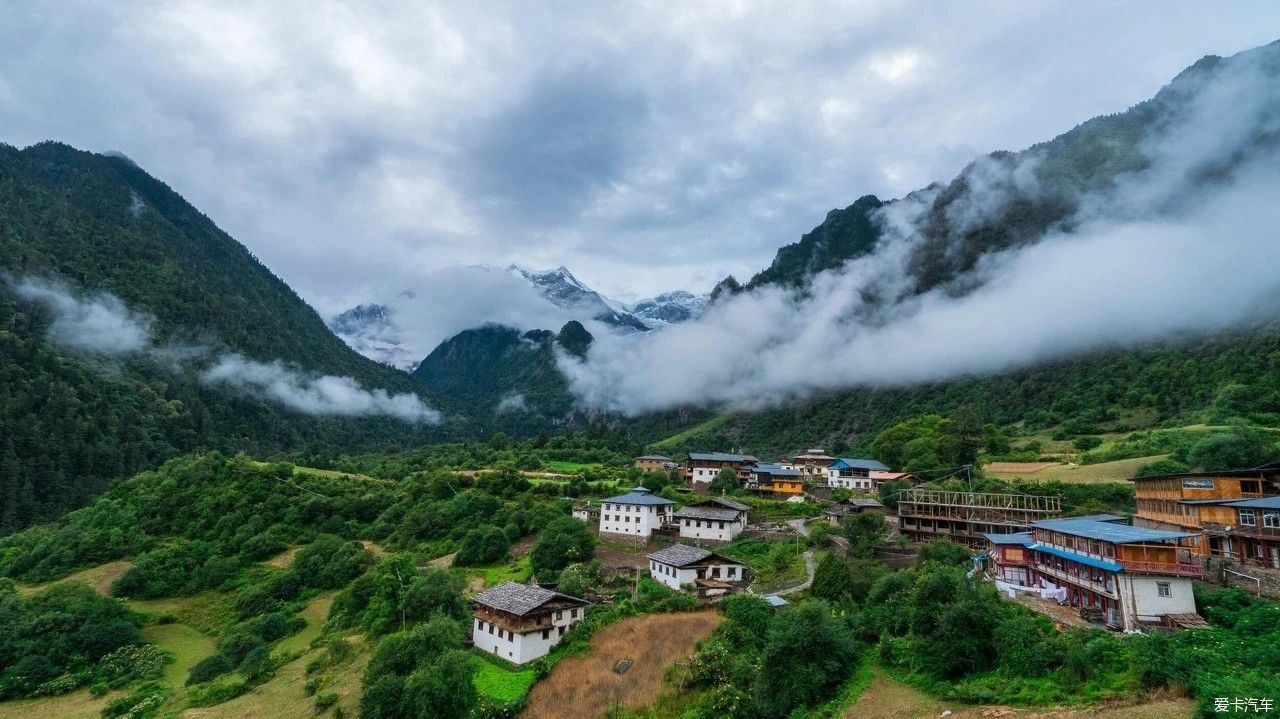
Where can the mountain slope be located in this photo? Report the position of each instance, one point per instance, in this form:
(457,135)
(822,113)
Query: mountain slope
(508,377)
(69,423)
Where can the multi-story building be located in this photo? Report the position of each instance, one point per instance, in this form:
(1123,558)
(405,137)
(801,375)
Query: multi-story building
(680,565)
(1009,558)
(846,473)
(1127,575)
(813,462)
(966,517)
(520,622)
(635,514)
(1206,503)
(1254,537)
(702,467)
(715,520)
(776,480)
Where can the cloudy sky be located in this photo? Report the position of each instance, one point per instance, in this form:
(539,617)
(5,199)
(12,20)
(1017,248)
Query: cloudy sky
(357,148)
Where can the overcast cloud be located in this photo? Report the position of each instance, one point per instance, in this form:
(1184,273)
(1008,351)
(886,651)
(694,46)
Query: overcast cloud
(358,148)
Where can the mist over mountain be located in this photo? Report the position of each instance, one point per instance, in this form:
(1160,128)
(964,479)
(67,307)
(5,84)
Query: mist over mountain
(1098,238)
(402,330)
(135,329)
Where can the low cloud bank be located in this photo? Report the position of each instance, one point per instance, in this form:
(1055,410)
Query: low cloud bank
(102,324)
(1186,245)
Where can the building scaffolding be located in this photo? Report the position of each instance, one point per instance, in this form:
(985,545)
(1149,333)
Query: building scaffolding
(963,517)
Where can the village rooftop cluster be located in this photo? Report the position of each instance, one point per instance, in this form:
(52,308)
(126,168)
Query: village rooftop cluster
(1125,573)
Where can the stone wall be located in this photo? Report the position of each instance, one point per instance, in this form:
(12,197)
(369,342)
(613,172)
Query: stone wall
(1268,580)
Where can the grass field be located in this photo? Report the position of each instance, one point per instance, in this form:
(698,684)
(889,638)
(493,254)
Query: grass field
(187,645)
(556,465)
(517,571)
(1117,471)
(76,705)
(586,686)
(697,429)
(889,699)
(100,578)
(501,681)
(283,696)
(207,613)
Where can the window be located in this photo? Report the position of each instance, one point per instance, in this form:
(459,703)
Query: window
(1247,519)
(559,614)
(1163,589)
(733,572)
(479,626)
(491,629)
(546,633)
(1271,519)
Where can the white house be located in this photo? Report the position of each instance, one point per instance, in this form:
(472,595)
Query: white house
(679,566)
(845,473)
(717,520)
(520,622)
(634,514)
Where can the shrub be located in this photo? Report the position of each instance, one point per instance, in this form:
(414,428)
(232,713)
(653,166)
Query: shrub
(214,665)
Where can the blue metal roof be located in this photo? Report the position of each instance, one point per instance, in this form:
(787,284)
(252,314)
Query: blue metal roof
(1260,503)
(718,457)
(1103,518)
(639,495)
(846,463)
(1081,558)
(1023,538)
(1108,531)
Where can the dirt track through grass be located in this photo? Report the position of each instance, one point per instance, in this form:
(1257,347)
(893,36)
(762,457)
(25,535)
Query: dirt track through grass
(586,686)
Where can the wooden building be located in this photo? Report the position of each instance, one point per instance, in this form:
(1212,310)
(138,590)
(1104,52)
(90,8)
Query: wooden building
(813,462)
(681,566)
(1203,502)
(965,517)
(1254,537)
(853,473)
(520,622)
(776,480)
(1123,575)
(702,467)
(655,463)
(715,520)
(1009,558)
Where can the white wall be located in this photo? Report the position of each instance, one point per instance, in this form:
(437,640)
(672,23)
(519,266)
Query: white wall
(521,648)
(711,529)
(1141,600)
(634,519)
(678,578)
(835,481)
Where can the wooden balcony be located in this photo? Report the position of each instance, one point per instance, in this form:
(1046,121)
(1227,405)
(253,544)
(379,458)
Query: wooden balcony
(1177,569)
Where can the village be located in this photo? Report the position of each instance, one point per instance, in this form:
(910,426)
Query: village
(1125,573)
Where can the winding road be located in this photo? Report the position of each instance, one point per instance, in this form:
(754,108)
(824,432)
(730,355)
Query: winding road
(809,566)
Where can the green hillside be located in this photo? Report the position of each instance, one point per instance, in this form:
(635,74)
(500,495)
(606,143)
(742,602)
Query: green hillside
(70,424)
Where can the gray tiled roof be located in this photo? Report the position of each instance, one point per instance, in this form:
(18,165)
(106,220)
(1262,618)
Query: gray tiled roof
(704,512)
(719,457)
(726,503)
(679,555)
(518,599)
(656,457)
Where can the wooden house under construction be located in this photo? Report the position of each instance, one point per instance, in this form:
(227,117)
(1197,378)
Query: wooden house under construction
(965,517)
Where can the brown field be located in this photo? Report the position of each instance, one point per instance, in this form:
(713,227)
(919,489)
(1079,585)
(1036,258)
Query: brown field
(283,560)
(1117,471)
(100,578)
(586,686)
(1018,467)
(888,699)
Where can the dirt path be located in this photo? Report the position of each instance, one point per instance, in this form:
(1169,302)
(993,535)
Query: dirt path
(888,699)
(586,686)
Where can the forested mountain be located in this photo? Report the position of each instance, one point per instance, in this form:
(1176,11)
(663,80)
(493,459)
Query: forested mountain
(72,421)
(508,377)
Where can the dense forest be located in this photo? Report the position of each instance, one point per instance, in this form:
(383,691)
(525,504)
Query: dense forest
(71,422)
